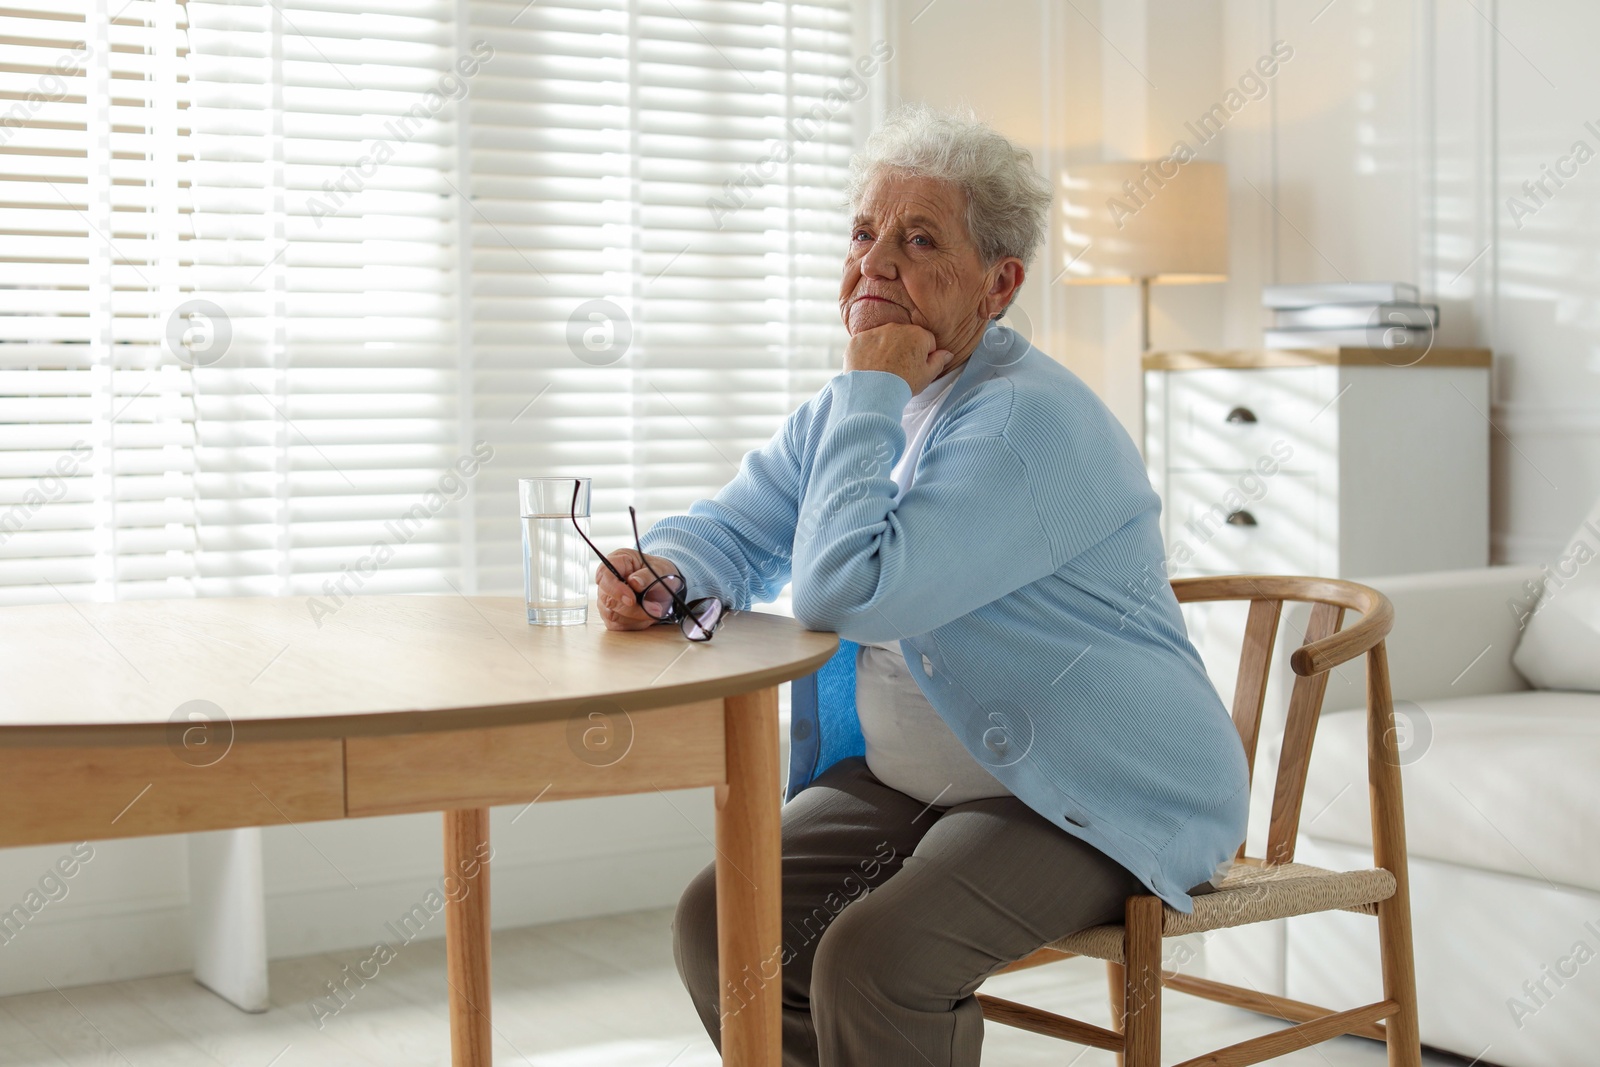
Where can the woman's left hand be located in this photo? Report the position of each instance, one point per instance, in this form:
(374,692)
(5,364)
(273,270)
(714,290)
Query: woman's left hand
(899,348)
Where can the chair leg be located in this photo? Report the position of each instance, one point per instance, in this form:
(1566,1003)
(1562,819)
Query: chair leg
(1141,1025)
(1402,1032)
(1114,979)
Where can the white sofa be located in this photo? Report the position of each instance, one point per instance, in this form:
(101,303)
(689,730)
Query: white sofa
(1502,798)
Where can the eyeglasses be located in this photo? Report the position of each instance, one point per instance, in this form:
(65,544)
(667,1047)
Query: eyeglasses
(698,618)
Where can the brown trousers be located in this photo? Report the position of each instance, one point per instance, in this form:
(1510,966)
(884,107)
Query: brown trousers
(894,912)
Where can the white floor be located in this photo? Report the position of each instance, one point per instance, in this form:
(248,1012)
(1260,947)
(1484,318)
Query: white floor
(591,993)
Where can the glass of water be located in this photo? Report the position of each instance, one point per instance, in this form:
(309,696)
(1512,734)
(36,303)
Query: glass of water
(556,568)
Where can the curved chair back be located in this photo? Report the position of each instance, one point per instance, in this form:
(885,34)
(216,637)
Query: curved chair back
(1325,646)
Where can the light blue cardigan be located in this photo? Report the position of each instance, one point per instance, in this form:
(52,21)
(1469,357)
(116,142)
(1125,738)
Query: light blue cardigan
(1023,575)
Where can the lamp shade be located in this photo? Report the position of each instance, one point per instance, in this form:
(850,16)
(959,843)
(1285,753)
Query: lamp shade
(1158,219)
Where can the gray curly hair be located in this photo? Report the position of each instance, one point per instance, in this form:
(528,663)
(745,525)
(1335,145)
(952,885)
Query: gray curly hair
(1008,202)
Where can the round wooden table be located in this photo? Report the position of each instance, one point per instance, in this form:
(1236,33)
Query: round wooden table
(166,716)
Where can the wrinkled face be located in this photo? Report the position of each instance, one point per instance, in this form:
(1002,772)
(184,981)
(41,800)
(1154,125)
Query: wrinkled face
(911,260)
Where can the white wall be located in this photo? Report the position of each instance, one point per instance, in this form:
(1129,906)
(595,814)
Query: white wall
(1385,148)
(1401,131)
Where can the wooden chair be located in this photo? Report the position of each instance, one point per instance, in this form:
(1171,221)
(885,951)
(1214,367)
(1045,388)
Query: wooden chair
(1274,886)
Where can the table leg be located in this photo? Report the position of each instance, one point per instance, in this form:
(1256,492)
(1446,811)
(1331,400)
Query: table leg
(466,918)
(749,883)
(228,915)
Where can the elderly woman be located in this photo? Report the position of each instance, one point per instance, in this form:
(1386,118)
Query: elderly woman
(1038,739)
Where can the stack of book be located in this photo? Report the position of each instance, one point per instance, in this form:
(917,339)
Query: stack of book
(1348,314)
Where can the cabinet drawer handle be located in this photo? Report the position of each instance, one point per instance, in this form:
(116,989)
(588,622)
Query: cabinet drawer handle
(1240,414)
(1241,518)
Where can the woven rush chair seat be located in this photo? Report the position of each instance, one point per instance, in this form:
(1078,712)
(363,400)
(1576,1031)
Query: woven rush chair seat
(1250,893)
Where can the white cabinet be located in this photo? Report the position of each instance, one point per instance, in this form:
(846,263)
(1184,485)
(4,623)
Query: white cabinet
(1325,462)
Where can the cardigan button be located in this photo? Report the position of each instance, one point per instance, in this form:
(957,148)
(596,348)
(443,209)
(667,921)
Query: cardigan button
(927,666)
(802,729)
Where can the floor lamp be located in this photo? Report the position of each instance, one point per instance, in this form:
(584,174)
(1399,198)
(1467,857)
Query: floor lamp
(1146,222)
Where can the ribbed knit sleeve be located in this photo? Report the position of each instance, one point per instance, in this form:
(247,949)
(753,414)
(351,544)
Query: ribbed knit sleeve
(736,545)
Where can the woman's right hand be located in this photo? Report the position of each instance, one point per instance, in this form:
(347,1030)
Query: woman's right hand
(618,603)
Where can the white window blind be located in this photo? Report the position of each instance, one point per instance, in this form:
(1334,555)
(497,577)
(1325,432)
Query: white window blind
(677,163)
(96,487)
(324,225)
(500,238)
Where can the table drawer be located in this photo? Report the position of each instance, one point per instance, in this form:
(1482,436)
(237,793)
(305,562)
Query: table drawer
(1226,419)
(1241,522)
(63,794)
(601,751)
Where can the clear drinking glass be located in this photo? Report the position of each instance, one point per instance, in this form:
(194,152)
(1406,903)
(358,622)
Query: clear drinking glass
(556,568)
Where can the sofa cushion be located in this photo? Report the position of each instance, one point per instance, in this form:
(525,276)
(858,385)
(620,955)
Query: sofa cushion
(1561,628)
(1508,782)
